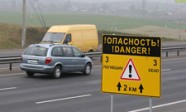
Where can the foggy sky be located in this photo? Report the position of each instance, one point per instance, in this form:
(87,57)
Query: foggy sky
(162,1)
(93,1)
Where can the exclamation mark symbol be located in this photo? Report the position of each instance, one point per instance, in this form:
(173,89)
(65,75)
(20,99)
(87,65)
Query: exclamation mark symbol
(130,71)
(158,43)
(105,40)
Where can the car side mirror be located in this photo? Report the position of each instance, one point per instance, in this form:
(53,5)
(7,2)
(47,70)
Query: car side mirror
(83,55)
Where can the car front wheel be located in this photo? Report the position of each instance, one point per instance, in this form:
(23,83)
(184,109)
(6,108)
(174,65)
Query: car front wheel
(30,74)
(87,69)
(57,72)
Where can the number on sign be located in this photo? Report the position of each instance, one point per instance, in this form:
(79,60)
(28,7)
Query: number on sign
(107,59)
(155,62)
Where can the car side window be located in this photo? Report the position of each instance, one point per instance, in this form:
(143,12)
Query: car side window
(77,52)
(57,51)
(68,51)
(36,50)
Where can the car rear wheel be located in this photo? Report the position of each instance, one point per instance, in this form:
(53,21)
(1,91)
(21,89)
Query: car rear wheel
(30,74)
(57,72)
(87,69)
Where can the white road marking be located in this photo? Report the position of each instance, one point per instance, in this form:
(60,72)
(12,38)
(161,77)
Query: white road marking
(7,68)
(93,82)
(164,70)
(159,106)
(62,99)
(97,66)
(12,74)
(10,88)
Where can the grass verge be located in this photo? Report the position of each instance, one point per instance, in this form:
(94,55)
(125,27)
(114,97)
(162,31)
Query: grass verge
(10,35)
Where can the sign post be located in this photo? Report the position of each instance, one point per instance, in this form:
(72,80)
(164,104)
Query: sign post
(131,65)
(23,40)
(111,103)
(150,104)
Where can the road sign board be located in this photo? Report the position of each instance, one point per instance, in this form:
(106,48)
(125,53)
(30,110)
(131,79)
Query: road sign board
(131,65)
(180,1)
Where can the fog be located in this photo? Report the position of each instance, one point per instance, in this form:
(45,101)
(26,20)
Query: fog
(150,14)
(160,1)
(138,8)
(109,6)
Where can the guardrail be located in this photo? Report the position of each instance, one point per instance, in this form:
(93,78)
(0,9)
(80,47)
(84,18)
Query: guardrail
(173,49)
(17,59)
(10,60)
(93,54)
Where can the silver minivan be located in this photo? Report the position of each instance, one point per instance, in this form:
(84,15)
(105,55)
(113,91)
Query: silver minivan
(54,59)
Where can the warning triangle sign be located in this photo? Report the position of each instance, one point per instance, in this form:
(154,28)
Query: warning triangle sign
(130,72)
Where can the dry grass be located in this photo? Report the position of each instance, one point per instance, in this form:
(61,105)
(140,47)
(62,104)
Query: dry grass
(157,31)
(10,36)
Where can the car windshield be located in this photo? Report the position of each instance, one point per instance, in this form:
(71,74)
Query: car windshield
(36,51)
(53,37)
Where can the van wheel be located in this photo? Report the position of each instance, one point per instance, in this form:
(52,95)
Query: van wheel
(91,50)
(87,69)
(57,72)
(30,74)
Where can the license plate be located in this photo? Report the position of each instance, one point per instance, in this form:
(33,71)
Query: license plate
(33,61)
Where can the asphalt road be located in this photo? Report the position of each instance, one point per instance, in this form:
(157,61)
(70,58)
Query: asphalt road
(79,93)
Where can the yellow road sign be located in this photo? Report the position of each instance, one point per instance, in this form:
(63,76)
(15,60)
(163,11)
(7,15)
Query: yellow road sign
(131,65)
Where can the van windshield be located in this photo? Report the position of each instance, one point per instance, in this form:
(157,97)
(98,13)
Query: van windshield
(53,37)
